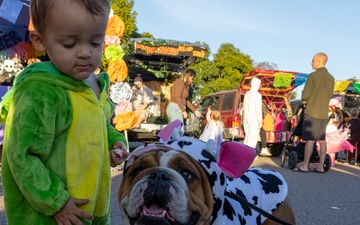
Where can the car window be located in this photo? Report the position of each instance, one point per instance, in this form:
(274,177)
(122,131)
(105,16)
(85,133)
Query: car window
(228,102)
(217,102)
(205,103)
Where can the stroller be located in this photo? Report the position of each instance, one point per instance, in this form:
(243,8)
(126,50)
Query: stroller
(294,148)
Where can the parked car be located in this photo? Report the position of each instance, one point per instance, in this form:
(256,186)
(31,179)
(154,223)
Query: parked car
(229,104)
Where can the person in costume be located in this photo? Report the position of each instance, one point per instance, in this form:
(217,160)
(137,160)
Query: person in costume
(58,137)
(214,128)
(252,113)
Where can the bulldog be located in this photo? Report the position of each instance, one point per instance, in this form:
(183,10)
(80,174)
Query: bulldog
(185,181)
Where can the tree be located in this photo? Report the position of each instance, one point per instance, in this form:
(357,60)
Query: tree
(265,66)
(205,71)
(232,64)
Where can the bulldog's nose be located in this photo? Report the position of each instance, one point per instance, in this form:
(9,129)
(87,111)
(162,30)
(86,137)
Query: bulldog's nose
(160,176)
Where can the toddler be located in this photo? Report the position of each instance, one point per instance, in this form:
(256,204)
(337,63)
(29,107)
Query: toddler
(214,128)
(58,136)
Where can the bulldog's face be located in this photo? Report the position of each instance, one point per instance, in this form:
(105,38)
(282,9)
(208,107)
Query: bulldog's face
(165,187)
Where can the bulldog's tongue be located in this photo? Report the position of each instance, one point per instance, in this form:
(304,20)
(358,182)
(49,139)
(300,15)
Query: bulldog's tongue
(154,209)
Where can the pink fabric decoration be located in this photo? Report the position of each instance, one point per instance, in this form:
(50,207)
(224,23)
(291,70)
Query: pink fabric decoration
(123,106)
(165,133)
(336,142)
(112,40)
(279,121)
(235,158)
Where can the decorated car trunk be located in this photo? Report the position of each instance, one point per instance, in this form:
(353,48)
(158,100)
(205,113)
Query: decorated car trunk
(160,62)
(276,90)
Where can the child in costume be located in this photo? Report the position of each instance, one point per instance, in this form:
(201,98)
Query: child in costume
(354,126)
(58,136)
(336,135)
(214,127)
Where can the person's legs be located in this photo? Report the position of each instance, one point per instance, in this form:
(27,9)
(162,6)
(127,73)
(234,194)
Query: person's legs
(309,146)
(321,136)
(246,132)
(141,118)
(308,135)
(253,137)
(323,149)
(263,138)
(264,150)
(173,111)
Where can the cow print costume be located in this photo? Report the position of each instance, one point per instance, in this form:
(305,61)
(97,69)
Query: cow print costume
(264,188)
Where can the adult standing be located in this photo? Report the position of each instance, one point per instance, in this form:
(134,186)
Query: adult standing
(180,97)
(316,95)
(141,100)
(252,113)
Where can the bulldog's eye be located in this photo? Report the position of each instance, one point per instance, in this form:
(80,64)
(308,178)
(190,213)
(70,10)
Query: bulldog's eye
(187,175)
(136,171)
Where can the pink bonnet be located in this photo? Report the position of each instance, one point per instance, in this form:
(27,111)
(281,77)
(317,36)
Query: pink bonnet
(335,102)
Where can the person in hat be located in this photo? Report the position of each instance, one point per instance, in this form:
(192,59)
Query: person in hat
(142,99)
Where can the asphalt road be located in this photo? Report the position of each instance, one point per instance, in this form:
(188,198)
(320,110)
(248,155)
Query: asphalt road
(332,198)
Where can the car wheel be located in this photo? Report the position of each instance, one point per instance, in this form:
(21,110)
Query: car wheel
(276,149)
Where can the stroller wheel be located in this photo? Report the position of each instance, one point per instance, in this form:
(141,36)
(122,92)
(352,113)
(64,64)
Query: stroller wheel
(283,157)
(293,159)
(327,163)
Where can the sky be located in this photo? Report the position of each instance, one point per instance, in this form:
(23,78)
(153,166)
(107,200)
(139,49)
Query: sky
(285,32)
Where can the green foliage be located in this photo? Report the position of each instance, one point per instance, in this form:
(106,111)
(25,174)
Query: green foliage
(229,56)
(147,35)
(205,70)
(265,65)
(222,73)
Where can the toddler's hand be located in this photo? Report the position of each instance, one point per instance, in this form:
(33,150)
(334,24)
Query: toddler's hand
(70,212)
(118,154)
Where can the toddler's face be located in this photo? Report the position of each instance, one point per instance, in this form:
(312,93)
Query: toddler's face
(74,39)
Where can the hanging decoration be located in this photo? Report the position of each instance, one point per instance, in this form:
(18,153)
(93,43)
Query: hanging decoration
(282,79)
(120,91)
(117,68)
(300,79)
(341,86)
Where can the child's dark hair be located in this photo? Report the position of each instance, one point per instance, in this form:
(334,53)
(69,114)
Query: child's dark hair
(39,10)
(354,112)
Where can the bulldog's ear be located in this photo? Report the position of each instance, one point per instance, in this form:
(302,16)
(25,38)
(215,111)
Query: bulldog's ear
(235,158)
(172,129)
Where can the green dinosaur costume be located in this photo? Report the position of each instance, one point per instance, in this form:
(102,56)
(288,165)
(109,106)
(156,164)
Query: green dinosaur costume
(56,145)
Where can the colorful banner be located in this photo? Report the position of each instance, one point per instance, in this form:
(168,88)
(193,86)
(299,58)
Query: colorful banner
(10,10)
(357,87)
(181,50)
(300,79)
(341,86)
(282,79)
(9,40)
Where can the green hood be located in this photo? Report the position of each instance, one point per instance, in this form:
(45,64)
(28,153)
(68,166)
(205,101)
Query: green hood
(37,71)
